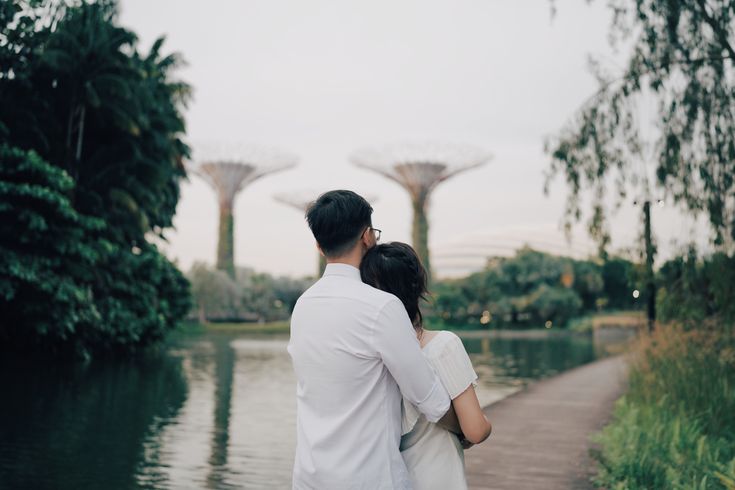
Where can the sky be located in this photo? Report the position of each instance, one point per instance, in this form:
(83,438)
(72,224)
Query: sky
(323,78)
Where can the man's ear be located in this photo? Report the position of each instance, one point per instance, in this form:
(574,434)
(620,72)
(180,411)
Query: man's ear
(321,252)
(365,238)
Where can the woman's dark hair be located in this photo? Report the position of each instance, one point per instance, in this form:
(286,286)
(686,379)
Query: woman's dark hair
(394,267)
(337,219)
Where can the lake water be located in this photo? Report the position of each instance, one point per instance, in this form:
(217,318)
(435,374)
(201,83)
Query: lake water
(211,411)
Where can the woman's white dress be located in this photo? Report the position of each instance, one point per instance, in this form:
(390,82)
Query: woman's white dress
(433,455)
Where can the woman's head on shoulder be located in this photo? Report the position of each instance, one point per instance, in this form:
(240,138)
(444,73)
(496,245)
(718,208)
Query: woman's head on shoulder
(396,268)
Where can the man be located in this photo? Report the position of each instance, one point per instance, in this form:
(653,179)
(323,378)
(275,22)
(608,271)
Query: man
(354,352)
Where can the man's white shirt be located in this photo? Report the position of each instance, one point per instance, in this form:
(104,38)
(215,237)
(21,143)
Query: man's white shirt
(354,352)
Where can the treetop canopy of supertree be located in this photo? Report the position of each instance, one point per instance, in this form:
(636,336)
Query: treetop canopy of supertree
(420,166)
(230,167)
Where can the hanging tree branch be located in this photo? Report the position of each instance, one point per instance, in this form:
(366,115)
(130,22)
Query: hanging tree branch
(679,65)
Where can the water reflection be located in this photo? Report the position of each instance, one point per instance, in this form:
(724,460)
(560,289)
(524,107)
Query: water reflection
(505,365)
(264,414)
(83,427)
(237,428)
(216,411)
(224,371)
(182,447)
(531,358)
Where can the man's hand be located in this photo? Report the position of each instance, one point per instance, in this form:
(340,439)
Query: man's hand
(450,421)
(465,443)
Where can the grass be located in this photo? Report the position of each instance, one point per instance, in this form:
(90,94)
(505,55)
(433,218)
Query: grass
(675,428)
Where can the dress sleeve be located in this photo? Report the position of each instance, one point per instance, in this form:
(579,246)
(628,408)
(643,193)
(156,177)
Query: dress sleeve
(453,366)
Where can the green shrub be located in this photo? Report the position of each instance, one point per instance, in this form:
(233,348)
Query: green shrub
(104,121)
(675,428)
(46,260)
(694,288)
(63,285)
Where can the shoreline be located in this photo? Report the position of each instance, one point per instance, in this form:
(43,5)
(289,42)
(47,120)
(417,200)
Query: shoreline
(283,327)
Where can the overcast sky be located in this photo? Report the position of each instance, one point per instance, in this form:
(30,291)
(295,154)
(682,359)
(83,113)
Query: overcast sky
(323,78)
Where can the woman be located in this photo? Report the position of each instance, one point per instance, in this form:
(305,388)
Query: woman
(433,453)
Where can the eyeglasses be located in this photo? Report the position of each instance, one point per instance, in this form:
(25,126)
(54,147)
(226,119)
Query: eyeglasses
(377,232)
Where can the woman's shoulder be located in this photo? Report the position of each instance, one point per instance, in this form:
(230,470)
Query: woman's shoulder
(444,341)
(451,362)
(447,336)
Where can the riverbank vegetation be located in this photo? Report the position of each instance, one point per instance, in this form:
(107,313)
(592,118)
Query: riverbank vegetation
(252,297)
(266,328)
(534,289)
(660,129)
(531,289)
(675,427)
(91,158)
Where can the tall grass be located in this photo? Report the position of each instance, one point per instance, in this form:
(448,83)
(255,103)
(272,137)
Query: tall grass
(675,428)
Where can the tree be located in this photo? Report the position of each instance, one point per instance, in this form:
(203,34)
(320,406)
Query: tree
(63,285)
(555,304)
(269,298)
(215,293)
(618,279)
(587,282)
(45,256)
(695,288)
(87,101)
(251,296)
(98,125)
(682,62)
(528,289)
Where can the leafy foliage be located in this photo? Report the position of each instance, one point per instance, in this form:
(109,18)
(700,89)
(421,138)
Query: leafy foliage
(140,294)
(91,163)
(215,293)
(531,288)
(694,289)
(675,426)
(87,101)
(681,68)
(251,296)
(45,257)
(63,285)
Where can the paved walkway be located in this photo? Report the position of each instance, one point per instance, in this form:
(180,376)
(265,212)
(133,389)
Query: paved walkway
(540,436)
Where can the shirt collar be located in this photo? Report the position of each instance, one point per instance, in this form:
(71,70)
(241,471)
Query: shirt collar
(344,270)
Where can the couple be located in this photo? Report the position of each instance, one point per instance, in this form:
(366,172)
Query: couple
(381,402)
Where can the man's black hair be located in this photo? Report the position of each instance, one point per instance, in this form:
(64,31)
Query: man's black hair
(337,219)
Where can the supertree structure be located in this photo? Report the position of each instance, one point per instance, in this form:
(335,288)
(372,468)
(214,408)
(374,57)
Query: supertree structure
(301,200)
(229,171)
(419,168)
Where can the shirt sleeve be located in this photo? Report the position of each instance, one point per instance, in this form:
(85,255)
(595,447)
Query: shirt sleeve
(395,341)
(454,367)
(409,416)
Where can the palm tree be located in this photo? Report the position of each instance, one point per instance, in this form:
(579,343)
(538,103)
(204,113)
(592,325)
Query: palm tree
(113,120)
